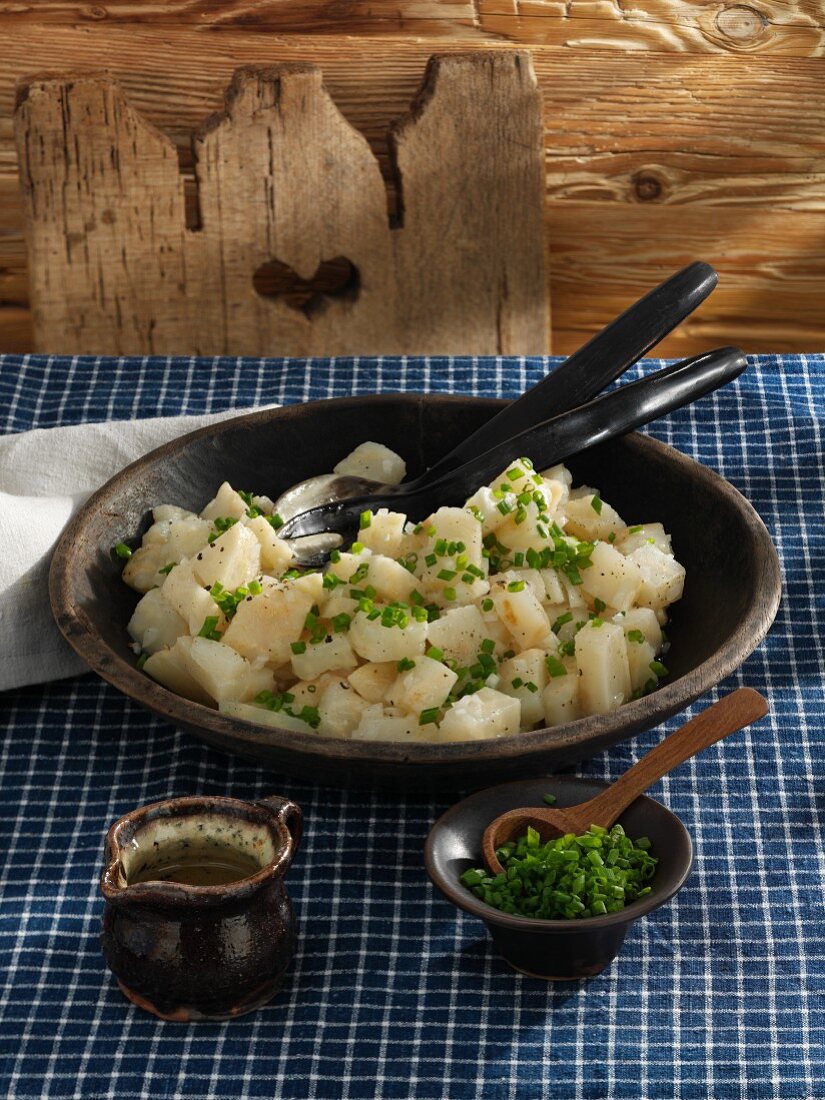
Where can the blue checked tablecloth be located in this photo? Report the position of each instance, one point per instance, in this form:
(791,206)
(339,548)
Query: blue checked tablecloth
(394,993)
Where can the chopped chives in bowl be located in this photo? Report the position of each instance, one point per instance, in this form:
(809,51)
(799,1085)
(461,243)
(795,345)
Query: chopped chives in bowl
(569,877)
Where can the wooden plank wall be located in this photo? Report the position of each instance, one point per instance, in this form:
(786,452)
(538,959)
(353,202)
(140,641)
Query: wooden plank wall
(675,129)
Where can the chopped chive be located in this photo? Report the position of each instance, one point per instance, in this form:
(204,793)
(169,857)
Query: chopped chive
(515,586)
(554,666)
(436,653)
(405,664)
(365,519)
(550,799)
(298,647)
(360,573)
(310,715)
(658,668)
(122,550)
(428,716)
(487,604)
(596,504)
(275,521)
(636,636)
(167,569)
(600,605)
(567,617)
(209,628)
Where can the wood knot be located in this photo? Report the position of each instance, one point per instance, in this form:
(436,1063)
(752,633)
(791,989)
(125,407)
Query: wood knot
(94,11)
(646,187)
(741,23)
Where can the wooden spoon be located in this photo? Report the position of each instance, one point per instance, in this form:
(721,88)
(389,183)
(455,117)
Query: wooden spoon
(732,713)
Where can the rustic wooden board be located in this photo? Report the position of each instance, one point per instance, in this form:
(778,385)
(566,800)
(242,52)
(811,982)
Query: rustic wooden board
(789,27)
(282,179)
(710,156)
(786,27)
(771,272)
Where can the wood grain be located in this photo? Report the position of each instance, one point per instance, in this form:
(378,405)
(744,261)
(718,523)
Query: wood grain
(471,247)
(430,18)
(786,27)
(730,170)
(778,27)
(283,180)
(771,272)
(81,193)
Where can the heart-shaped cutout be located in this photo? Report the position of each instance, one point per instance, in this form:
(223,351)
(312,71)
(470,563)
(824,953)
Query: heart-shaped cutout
(336,280)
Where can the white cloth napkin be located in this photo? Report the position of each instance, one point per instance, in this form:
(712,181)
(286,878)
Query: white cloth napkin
(45,475)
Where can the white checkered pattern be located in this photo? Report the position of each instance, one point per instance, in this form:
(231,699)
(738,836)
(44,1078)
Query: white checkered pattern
(394,994)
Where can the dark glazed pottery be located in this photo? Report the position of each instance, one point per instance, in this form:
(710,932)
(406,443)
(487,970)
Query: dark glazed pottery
(201,952)
(556,950)
(730,599)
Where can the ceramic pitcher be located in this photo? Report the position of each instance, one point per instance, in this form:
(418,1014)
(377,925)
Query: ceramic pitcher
(187,952)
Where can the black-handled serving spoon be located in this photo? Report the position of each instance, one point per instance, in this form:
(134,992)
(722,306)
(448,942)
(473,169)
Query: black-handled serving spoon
(578,379)
(552,441)
(594,366)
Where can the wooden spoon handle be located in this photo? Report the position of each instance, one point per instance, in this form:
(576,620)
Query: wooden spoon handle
(726,716)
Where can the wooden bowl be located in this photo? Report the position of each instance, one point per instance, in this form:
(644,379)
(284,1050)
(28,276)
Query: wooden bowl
(731,594)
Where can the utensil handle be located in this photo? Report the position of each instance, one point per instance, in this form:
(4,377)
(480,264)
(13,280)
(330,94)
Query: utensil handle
(593,367)
(731,713)
(606,417)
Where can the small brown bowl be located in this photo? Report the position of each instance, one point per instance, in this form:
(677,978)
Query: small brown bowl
(556,950)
